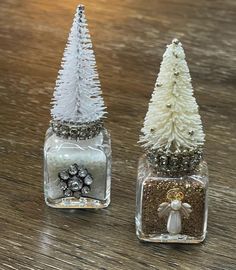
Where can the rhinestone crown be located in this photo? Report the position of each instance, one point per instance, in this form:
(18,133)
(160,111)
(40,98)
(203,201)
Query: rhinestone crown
(81,131)
(174,162)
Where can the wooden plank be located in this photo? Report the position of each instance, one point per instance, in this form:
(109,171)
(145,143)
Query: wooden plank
(129,38)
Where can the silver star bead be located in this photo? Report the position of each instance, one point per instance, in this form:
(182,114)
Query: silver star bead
(176,73)
(175,54)
(191,132)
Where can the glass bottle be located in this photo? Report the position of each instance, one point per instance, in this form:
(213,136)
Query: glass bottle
(171,206)
(77,150)
(172,175)
(77,166)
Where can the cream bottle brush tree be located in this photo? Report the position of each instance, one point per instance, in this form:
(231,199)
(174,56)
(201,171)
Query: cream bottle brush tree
(77,97)
(172,177)
(173,121)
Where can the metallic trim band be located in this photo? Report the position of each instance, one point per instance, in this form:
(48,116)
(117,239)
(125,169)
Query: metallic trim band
(172,163)
(80,131)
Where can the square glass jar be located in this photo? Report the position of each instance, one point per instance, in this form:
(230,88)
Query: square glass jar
(88,162)
(171,209)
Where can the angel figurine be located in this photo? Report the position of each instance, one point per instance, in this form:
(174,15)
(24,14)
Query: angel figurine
(174,209)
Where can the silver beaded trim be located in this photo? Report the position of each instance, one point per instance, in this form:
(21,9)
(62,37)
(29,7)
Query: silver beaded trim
(81,131)
(171,163)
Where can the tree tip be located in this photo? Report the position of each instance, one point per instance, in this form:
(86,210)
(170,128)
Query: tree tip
(81,7)
(175,41)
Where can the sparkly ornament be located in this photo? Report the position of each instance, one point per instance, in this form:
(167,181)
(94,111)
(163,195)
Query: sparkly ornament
(75,180)
(174,209)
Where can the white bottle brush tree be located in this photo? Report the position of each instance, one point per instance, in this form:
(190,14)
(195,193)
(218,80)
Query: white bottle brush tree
(77,97)
(173,122)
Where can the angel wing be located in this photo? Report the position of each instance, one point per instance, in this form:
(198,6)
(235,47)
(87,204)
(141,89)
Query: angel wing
(186,209)
(163,209)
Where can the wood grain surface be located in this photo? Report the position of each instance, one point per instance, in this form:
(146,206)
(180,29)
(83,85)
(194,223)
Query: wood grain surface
(129,39)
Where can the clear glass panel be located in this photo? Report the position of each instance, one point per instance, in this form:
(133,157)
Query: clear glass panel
(68,186)
(171,209)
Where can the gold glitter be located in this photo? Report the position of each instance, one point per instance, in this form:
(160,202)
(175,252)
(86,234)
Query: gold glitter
(155,193)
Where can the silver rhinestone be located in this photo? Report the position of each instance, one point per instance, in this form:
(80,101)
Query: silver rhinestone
(82,173)
(163,158)
(64,133)
(64,175)
(164,163)
(177,152)
(191,152)
(63,186)
(55,129)
(73,169)
(77,194)
(88,180)
(73,132)
(174,160)
(68,193)
(75,185)
(85,190)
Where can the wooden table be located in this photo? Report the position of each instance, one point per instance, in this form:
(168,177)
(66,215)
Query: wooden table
(129,38)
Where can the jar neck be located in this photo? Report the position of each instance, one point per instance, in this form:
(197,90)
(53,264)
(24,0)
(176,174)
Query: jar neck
(77,131)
